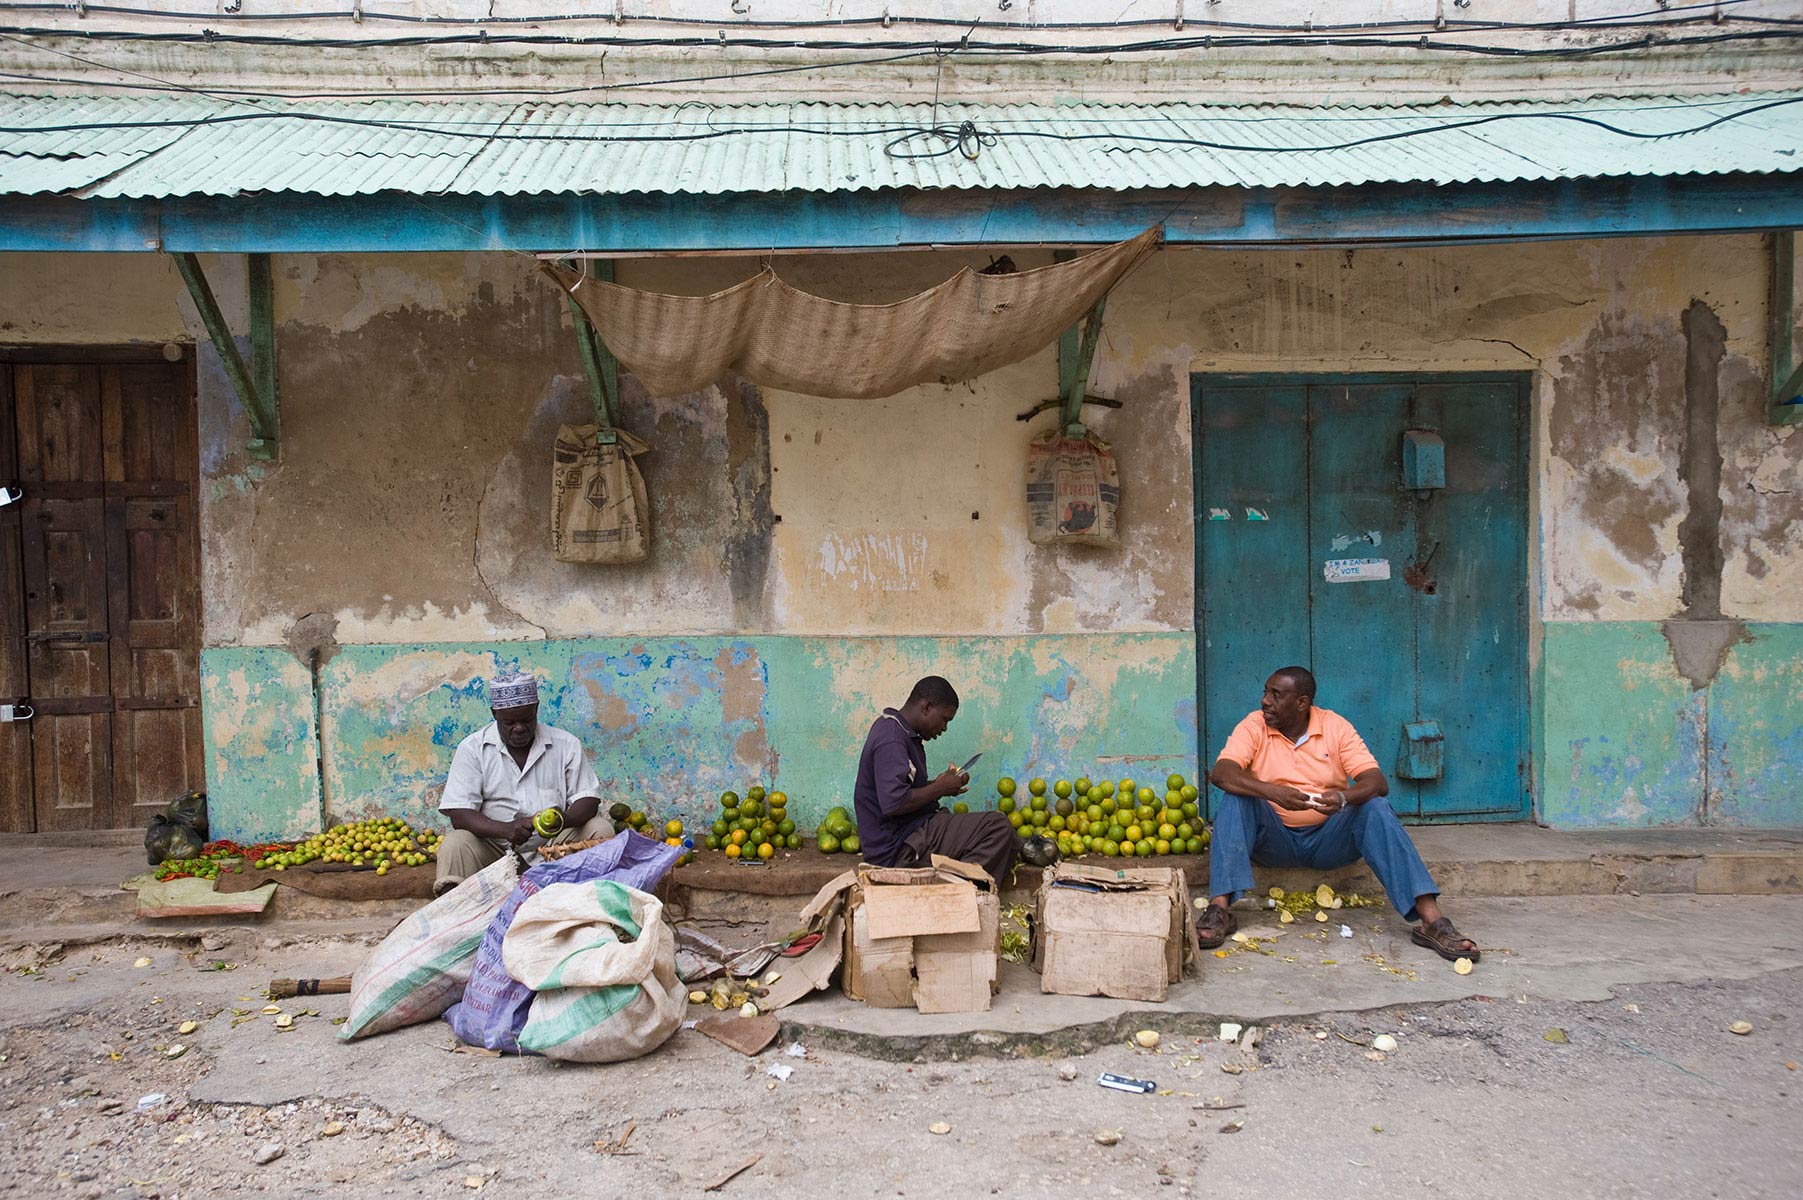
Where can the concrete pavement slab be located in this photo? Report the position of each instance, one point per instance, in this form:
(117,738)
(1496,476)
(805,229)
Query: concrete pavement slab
(1550,948)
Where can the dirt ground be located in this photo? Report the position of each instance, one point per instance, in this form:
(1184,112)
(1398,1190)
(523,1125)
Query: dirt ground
(1645,1094)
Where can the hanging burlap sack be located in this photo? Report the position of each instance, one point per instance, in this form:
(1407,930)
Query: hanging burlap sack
(1073,491)
(599,510)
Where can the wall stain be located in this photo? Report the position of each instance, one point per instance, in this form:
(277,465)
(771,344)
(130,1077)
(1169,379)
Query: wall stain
(748,540)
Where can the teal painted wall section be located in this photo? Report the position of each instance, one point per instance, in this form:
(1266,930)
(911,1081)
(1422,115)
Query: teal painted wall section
(1756,731)
(262,755)
(1628,742)
(672,722)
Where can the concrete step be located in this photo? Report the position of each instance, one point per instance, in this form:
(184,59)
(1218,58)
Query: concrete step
(47,886)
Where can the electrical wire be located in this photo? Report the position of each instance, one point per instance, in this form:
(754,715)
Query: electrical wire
(1656,16)
(482,37)
(961,138)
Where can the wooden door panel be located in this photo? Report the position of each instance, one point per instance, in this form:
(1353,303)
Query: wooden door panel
(153,573)
(16,809)
(59,423)
(154,760)
(149,426)
(72,761)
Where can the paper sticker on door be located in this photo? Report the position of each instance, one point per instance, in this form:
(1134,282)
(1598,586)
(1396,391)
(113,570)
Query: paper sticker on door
(1356,570)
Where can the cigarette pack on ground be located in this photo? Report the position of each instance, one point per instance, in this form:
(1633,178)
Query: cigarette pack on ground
(1123,932)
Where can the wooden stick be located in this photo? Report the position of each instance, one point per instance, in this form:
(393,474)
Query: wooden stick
(284,989)
(725,1179)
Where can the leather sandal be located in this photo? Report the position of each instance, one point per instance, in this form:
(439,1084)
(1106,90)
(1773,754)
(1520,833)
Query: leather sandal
(1214,926)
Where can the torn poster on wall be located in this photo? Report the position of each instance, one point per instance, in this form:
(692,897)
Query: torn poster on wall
(1356,570)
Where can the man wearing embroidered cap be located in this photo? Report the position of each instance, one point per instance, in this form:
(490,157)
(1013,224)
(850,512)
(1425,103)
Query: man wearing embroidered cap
(503,774)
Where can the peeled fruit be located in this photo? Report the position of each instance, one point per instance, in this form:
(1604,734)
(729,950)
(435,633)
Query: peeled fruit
(1146,1039)
(1384,1043)
(748,1009)
(1741,1027)
(1462,966)
(940,1128)
(1286,917)
(548,823)
(1324,897)
(187,1027)
(697,997)
(1275,893)
(1319,915)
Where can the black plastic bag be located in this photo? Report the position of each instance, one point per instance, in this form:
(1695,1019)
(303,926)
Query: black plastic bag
(179,831)
(166,839)
(190,810)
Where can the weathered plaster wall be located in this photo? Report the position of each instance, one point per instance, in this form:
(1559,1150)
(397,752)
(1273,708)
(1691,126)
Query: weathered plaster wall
(401,536)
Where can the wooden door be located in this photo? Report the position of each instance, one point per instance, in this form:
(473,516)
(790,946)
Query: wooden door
(1304,539)
(106,459)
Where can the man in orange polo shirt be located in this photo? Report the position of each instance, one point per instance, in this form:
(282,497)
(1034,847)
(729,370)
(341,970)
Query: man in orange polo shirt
(1303,791)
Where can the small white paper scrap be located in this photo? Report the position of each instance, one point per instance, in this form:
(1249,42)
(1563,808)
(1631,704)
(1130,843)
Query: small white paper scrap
(1345,931)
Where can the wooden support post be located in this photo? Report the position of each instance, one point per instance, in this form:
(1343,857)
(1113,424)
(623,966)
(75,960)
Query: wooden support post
(599,364)
(259,407)
(1786,377)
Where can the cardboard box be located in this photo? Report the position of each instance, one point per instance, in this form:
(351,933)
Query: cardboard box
(926,938)
(1124,932)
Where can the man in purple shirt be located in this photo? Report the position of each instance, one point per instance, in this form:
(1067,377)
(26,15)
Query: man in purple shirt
(900,823)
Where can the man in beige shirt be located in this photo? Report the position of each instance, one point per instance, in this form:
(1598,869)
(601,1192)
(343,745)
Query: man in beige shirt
(503,774)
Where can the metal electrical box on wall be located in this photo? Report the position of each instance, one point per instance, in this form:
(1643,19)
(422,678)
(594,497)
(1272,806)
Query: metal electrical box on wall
(1423,460)
(1423,751)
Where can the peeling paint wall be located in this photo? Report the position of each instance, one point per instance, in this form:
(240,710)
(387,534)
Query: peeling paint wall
(832,549)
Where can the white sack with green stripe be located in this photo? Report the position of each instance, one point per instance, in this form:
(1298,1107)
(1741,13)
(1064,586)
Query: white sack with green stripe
(420,968)
(604,966)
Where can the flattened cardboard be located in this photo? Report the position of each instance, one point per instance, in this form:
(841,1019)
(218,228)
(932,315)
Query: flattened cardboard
(1128,938)
(945,927)
(810,972)
(957,972)
(923,908)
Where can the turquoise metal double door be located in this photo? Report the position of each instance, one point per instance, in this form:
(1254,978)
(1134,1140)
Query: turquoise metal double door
(1407,600)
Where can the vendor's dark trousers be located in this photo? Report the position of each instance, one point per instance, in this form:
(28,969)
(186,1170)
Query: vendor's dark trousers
(983,838)
(1248,831)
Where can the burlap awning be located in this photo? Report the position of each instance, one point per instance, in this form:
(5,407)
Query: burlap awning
(783,338)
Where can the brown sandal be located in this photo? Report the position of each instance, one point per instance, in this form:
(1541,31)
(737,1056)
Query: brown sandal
(1214,926)
(1444,940)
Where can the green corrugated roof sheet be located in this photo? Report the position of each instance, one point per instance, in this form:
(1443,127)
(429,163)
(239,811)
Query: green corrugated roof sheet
(164,146)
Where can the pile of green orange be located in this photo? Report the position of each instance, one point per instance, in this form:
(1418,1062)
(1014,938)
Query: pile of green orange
(1116,819)
(753,827)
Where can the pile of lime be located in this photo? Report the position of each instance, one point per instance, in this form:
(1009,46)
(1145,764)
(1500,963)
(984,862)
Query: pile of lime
(1115,819)
(837,833)
(378,842)
(753,827)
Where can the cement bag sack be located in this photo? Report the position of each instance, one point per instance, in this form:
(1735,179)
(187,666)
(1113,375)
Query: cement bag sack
(493,1009)
(420,968)
(604,966)
(1073,491)
(599,510)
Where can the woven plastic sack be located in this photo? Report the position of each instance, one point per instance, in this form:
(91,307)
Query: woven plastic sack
(604,966)
(493,1009)
(420,968)
(1073,491)
(599,509)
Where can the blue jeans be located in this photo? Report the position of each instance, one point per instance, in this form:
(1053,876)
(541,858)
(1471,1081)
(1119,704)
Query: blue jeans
(1248,831)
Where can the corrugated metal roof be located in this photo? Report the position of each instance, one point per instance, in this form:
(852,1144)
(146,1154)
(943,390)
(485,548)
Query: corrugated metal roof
(157,146)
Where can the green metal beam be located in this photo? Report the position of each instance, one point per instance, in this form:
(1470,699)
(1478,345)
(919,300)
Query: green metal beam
(261,282)
(1786,377)
(259,405)
(1075,357)
(598,363)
